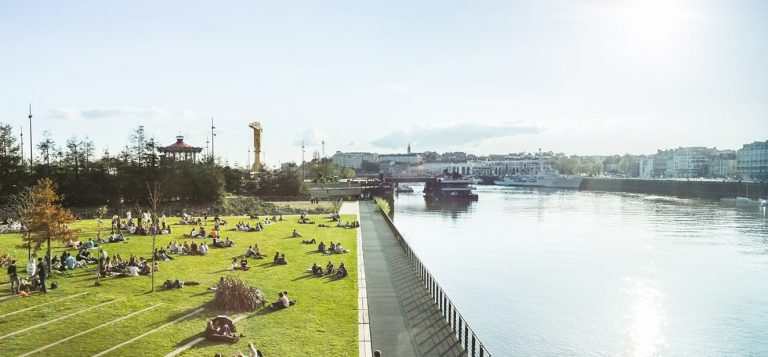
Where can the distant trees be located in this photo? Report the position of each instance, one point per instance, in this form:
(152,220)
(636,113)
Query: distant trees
(575,165)
(12,173)
(86,179)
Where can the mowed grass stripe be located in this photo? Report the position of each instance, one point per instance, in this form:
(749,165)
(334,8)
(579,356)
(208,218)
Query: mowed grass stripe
(90,330)
(57,319)
(147,333)
(43,304)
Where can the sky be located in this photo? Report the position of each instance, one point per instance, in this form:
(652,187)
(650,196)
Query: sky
(580,77)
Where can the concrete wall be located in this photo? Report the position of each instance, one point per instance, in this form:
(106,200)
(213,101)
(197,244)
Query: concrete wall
(679,188)
(332,190)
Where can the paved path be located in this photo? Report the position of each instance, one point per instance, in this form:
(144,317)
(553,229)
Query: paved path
(404,320)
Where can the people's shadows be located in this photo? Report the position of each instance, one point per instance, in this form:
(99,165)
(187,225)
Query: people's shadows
(312,252)
(267,310)
(305,276)
(189,339)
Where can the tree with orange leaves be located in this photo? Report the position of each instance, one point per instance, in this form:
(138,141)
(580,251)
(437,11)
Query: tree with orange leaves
(48,219)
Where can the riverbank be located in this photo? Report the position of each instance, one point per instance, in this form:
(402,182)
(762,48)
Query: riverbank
(678,188)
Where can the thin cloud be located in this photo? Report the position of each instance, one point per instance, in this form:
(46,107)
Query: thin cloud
(310,137)
(452,135)
(115,113)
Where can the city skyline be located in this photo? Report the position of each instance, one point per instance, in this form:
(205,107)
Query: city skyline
(593,78)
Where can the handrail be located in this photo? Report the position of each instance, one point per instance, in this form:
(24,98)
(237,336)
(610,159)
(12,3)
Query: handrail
(467,337)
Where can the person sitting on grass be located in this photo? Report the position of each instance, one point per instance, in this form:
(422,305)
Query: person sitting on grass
(321,247)
(315,270)
(295,234)
(312,241)
(244,264)
(332,247)
(282,302)
(342,271)
(186,248)
(203,248)
(280,259)
(193,249)
(340,250)
(253,253)
(229,243)
(213,332)
(131,270)
(329,268)
(193,233)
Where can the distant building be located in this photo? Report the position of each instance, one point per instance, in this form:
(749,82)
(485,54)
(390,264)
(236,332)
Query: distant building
(179,151)
(752,161)
(722,164)
(691,161)
(411,159)
(645,167)
(354,159)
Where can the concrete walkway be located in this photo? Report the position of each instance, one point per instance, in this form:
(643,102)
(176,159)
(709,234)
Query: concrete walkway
(404,321)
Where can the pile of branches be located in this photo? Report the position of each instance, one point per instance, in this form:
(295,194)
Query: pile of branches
(236,295)
(5,260)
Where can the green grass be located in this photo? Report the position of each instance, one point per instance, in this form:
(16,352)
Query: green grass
(322,323)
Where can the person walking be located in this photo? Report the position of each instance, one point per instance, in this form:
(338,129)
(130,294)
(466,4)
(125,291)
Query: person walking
(42,271)
(14,277)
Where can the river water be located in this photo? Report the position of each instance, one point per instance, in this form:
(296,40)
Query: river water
(562,273)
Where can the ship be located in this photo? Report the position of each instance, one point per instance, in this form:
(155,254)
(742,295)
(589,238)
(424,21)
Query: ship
(449,189)
(545,178)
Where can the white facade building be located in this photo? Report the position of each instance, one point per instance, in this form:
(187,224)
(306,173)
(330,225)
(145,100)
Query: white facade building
(353,159)
(411,159)
(752,161)
(645,167)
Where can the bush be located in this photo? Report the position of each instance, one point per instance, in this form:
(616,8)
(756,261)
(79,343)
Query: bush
(236,295)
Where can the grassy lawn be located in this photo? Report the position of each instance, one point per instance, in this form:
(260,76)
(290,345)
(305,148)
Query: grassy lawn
(322,323)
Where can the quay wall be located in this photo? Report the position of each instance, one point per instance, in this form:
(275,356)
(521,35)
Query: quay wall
(678,188)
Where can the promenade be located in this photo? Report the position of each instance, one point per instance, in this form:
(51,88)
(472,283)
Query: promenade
(404,321)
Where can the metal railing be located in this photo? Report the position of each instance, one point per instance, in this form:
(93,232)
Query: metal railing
(467,337)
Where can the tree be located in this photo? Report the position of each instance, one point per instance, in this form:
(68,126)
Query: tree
(11,168)
(624,163)
(100,212)
(155,195)
(48,218)
(47,149)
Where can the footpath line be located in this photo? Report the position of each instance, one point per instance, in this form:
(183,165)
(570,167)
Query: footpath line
(47,303)
(90,330)
(147,333)
(57,319)
(195,341)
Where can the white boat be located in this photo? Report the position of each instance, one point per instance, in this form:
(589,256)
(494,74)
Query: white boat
(404,189)
(474,180)
(547,178)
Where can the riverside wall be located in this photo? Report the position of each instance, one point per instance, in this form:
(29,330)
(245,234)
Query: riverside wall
(679,188)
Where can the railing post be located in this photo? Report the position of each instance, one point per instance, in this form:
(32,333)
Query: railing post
(466,336)
(482,350)
(460,320)
(473,344)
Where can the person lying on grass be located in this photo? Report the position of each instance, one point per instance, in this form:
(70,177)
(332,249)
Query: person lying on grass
(178,284)
(311,241)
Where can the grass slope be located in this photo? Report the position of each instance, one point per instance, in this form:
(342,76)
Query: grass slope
(322,323)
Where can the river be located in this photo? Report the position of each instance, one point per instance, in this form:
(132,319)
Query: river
(558,272)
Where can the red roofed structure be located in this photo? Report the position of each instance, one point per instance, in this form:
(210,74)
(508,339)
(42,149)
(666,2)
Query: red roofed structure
(180,150)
